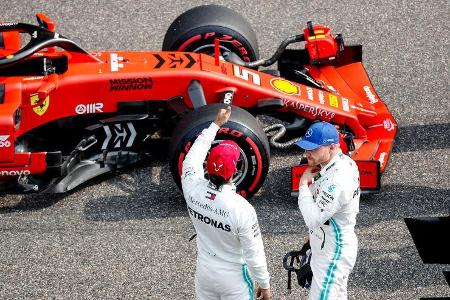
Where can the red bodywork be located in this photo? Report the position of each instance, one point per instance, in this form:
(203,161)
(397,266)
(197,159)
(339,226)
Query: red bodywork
(97,82)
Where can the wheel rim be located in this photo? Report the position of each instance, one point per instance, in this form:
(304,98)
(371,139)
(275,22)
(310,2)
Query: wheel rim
(208,49)
(241,165)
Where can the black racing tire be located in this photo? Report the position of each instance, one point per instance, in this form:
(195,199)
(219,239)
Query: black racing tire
(242,128)
(196,29)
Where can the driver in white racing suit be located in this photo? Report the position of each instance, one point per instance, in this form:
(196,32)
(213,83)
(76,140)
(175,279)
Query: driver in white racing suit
(329,206)
(229,241)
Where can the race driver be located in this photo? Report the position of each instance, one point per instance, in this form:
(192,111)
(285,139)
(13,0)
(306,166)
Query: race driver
(329,202)
(229,241)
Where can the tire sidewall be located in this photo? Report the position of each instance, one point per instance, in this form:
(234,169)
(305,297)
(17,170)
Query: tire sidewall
(229,39)
(202,24)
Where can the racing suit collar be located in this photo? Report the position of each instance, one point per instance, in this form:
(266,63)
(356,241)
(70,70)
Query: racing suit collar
(325,168)
(228,187)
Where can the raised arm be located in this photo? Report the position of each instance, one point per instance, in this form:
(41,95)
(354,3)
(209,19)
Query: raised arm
(193,163)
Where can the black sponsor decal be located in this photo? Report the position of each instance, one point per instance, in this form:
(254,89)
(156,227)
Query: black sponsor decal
(322,203)
(317,177)
(175,61)
(126,84)
(209,221)
(161,61)
(324,200)
(332,165)
(218,211)
(327,195)
(256,231)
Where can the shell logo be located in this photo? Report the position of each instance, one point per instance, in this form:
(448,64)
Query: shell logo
(285,86)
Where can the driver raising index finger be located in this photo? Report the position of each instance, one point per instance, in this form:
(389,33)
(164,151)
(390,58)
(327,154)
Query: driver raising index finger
(223,116)
(229,241)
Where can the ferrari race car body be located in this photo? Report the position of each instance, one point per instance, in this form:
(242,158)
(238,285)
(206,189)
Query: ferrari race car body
(68,115)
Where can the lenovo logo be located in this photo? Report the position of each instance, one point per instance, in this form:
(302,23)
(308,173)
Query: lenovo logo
(15,173)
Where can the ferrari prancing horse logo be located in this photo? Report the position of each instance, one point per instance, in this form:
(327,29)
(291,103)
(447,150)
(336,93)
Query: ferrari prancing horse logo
(42,107)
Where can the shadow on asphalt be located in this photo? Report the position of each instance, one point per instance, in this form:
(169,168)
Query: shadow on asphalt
(383,213)
(164,199)
(401,201)
(405,260)
(422,138)
(141,197)
(33,202)
(274,205)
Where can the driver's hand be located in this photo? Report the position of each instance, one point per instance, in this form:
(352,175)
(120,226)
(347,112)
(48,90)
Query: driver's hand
(263,294)
(308,175)
(306,239)
(222,116)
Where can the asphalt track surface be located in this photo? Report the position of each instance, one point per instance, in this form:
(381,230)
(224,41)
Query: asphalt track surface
(126,237)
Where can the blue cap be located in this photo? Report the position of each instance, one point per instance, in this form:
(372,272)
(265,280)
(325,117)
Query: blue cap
(319,134)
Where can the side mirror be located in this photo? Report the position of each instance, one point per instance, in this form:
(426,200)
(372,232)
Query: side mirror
(47,87)
(45,22)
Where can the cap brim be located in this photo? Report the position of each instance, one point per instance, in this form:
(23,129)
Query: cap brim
(307,145)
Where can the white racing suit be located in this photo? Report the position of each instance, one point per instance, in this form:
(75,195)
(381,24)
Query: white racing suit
(329,207)
(229,241)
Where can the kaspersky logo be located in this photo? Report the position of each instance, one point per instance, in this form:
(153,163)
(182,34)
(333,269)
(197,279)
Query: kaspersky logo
(4,143)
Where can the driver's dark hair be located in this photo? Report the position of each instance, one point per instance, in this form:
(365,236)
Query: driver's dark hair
(217,180)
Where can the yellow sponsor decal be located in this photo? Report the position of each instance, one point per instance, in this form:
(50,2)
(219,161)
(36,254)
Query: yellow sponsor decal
(285,86)
(333,100)
(42,107)
(319,31)
(316,37)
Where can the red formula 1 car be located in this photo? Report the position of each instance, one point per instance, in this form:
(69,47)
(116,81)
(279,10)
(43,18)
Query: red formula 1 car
(68,115)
